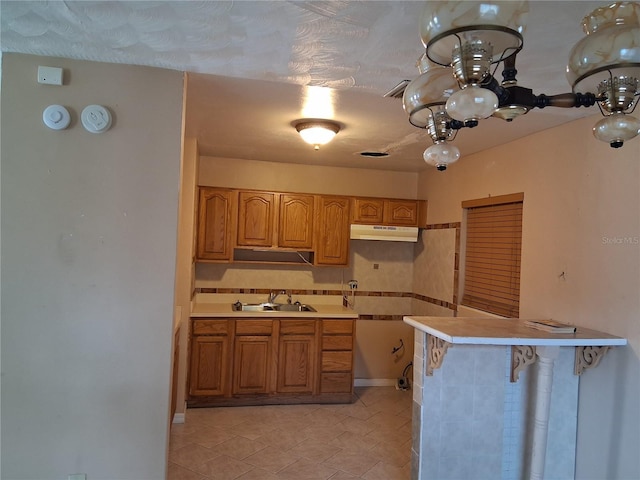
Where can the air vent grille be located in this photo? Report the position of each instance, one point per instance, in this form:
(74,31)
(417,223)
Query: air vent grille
(398,90)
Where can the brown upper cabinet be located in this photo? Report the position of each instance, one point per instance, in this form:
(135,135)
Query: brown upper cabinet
(386,211)
(267,219)
(216,222)
(332,237)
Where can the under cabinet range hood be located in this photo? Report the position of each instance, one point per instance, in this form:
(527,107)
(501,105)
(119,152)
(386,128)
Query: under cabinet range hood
(383,232)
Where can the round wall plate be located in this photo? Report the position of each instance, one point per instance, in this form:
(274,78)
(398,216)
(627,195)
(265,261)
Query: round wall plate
(96,119)
(56,117)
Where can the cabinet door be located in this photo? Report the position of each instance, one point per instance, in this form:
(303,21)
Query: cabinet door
(401,212)
(256,212)
(209,365)
(296,365)
(215,224)
(296,221)
(332,232)
(368,211)
(251,365)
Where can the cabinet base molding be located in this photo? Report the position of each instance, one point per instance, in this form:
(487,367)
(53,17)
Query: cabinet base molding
(243,401)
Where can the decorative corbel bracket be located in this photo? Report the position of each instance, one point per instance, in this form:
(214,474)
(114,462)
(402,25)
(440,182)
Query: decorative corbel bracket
(436,349)
(587,357)
(521,357)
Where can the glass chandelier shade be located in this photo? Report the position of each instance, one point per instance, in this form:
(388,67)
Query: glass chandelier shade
(471,104)
(611,47)
(607,61)
(432,87)
(616,128)
(443,25)
(441,154)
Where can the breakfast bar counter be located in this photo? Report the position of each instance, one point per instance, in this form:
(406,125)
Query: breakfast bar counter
(495,398)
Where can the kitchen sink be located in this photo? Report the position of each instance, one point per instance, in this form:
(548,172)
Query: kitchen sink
(272,307)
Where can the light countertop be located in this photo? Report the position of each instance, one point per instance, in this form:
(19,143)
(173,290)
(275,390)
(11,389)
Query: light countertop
(200,310)
(506,331)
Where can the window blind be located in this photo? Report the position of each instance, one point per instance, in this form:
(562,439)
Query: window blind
(492,261)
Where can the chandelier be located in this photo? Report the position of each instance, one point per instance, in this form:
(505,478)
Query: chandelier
(469,39)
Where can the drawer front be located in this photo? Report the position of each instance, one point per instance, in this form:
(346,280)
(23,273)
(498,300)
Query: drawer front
(337,361)
(253,327)
(337,327)
(337,342)
(297,327)
(335,383)
(210,327)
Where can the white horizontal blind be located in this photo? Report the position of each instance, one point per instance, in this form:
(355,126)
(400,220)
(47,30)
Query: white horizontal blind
(493,246)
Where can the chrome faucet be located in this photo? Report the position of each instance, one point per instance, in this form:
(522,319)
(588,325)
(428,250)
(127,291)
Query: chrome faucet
(276,293)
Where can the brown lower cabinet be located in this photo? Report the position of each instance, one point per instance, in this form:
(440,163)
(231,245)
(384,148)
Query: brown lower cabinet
(249,361)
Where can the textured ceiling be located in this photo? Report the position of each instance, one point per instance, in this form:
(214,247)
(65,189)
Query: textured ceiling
(252,64)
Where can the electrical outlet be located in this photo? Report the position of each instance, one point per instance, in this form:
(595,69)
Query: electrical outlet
(353,284)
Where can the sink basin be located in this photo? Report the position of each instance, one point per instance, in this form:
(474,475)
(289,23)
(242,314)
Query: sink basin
(272,307)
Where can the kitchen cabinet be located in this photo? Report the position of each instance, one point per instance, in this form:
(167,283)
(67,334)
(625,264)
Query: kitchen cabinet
(388,211)
(216,223)
(295,226)
(332,231)
(256,211)
(297,356)
(279,220)
(337,356)
(254,361)
(210,357)
(252,357)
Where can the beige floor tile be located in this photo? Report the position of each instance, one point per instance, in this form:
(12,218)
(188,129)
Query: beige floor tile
(239,447)
(343,476)
(257,474)
(322,433)
(272,459)
(252,429)
(396,455)
(306,470)
(208,436)
(354,443)
(177,472)
(353,463)
(191,456)
(284,438)
(224,467)
(370,438)
(383,471)
(315,451)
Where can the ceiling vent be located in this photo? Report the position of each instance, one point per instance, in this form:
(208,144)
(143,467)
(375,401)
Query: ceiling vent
(398,90)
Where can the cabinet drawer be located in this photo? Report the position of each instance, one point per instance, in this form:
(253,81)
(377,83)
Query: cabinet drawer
(210,327)
(254,327)
(337,326)
(297,327)
(336,361)
(335,383)
(337,342)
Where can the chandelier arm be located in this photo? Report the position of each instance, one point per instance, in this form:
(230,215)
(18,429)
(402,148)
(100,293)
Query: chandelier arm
(490,83)
(565,100)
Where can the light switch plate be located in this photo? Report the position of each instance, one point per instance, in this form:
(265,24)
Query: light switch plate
(50,75)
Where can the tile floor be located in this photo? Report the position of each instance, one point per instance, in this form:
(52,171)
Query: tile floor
(368,439)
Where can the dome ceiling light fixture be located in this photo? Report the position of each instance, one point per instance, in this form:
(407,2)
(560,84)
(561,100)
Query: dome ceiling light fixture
(317,131)
(471,39)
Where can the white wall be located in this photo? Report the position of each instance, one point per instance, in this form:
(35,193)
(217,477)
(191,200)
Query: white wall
(580,263)
(88,249)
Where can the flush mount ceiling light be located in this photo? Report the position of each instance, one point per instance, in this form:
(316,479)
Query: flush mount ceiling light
(317,132)
(471,39)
